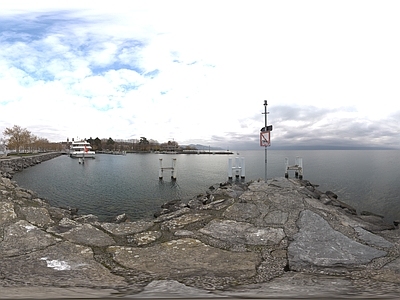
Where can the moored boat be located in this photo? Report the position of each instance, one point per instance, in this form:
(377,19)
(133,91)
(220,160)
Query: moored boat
(81,149)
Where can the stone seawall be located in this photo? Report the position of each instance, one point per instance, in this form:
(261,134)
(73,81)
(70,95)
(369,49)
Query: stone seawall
(12,164)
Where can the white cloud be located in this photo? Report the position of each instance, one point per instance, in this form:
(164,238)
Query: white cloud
(200,70)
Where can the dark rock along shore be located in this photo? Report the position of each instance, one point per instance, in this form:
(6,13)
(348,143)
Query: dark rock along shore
(281,239)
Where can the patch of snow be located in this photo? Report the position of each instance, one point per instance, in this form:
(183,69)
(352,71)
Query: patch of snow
(29,227)
(57,264)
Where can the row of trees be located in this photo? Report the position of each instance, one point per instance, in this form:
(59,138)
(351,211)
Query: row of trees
(136,145)
(22,140)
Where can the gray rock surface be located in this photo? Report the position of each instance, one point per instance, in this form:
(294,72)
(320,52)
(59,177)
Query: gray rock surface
(281,239)
(317,244)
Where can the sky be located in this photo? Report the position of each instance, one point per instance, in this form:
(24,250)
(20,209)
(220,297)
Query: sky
(198,72)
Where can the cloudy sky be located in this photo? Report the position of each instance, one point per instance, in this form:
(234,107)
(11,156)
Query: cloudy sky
(199,71)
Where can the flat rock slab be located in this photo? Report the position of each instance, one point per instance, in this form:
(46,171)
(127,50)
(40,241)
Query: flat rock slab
(249,212)
(186,257)
(61,265)
(172,289)
(88,235)
(7,212)
(181,221)
(147,237)
(127,228)
(317,244)
(49,292)
(38,216)
(372,239)
(390,272)
(23,237)
(243,233)
(298,285)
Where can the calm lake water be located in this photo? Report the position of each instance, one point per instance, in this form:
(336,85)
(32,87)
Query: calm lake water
(110,185)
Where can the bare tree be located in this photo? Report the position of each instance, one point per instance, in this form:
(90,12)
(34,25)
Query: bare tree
(17,137)
(40,144)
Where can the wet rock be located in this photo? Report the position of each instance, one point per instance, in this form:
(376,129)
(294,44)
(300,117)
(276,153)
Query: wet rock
(172,215)
(335,202)
(374,223)
(331,194)
(181,221)
(121,218)
(313,194)
(22,194)
(170,207)
(194,203)
(368,213)
(58,213)
(217,204)
(90,218)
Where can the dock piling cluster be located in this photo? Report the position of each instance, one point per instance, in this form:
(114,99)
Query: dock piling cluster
(239,168)
(172,168)
(297,167)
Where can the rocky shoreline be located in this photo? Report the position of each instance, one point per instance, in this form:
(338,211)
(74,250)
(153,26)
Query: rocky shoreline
(9,165)
(284,238)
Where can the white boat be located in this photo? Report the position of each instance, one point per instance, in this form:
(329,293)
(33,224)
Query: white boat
(81,149)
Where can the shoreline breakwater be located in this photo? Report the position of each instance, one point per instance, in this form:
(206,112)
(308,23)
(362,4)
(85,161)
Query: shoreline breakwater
(11,164)
(280,238)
